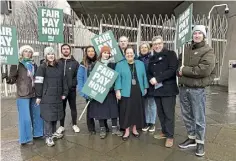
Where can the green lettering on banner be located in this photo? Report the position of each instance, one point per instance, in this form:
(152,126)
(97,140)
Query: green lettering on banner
(184,27)
(8,45)
(50,25)
(107,39)
(99,82)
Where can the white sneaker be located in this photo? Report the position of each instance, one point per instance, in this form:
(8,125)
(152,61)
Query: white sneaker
(76,128)
(57,135)
(60,130)
(49,141)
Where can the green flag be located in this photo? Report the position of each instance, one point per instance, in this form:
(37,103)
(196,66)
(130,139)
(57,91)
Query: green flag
(50,25)
(99,82)
(108,39)
(9,49)
(184,27)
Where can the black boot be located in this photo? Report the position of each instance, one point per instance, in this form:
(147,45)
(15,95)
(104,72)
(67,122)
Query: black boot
(106,125)
(103,133)
(200,150)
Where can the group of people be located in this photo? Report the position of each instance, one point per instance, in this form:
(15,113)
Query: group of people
(146,86)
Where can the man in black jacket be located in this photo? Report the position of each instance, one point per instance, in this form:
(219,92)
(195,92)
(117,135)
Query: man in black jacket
(70,66)
(162,69)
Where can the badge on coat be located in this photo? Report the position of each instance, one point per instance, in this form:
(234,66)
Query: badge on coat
(196,53)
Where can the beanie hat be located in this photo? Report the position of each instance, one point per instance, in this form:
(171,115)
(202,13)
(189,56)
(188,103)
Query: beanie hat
(24,47)
(48,50)
(200,28)
(105,48)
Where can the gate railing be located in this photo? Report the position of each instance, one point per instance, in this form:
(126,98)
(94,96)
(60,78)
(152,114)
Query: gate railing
(78,31)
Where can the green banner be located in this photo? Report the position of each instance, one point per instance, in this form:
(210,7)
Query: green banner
(50,25)
(99,82)
(8,47)
(184,27)
(108,39)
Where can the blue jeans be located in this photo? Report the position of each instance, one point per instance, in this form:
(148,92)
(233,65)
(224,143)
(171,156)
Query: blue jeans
(193,102)
(30,123)
(150,110)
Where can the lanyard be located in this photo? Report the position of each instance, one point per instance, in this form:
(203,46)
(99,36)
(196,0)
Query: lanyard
(132,70)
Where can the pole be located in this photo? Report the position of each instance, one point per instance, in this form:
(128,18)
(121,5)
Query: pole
(138,36)
(183,55)
(4,81)
(209,33)
(85,108)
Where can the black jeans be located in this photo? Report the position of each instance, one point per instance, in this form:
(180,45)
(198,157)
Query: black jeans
(49,128)
(166,114)
(103,123)
(90,121)
(72,102)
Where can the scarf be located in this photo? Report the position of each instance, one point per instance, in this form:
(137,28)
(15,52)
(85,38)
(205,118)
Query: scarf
(91,60)
(105,61)
(28,64)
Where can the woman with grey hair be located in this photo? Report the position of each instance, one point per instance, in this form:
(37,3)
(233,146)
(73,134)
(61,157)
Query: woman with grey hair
(150,105)
(23,75)
(51,90)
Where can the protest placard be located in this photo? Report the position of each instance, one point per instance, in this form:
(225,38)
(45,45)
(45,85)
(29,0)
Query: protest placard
(50,25)
(108,39)
(99,82)
(184,27)
(8,45)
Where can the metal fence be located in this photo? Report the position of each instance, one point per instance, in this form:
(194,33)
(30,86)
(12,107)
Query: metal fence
(78,31)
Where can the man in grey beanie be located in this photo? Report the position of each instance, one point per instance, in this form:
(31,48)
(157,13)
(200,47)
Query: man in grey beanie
(196,73)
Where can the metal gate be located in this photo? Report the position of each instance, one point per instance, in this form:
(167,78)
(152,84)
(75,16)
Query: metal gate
(78,31)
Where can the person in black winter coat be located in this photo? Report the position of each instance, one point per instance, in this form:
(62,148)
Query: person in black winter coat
(70,67)
(162,75)
(51,90)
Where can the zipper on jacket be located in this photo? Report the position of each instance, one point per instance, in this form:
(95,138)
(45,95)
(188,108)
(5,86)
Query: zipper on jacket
(65,68)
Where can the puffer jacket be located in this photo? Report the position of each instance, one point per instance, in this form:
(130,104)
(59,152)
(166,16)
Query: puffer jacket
(51,85)
(199,66)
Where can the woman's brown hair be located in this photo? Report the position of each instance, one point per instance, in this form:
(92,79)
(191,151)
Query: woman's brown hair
(85,57)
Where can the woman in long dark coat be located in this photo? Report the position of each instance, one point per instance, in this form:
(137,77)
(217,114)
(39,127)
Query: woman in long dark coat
(51,89)
(109,108)
(85,68)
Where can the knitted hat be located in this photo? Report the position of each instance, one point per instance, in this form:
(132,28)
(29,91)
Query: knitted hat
(200,28)
(105,48)
(48,50)
(24,47)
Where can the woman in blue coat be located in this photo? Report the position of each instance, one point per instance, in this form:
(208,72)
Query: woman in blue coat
(131,85)
(89,60)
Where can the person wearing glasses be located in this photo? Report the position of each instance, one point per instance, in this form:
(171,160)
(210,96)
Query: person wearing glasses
(162,70)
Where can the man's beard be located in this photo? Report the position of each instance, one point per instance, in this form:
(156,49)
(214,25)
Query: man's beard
(66,55)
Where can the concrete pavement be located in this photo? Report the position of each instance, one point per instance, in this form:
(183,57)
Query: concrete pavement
(220,138)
